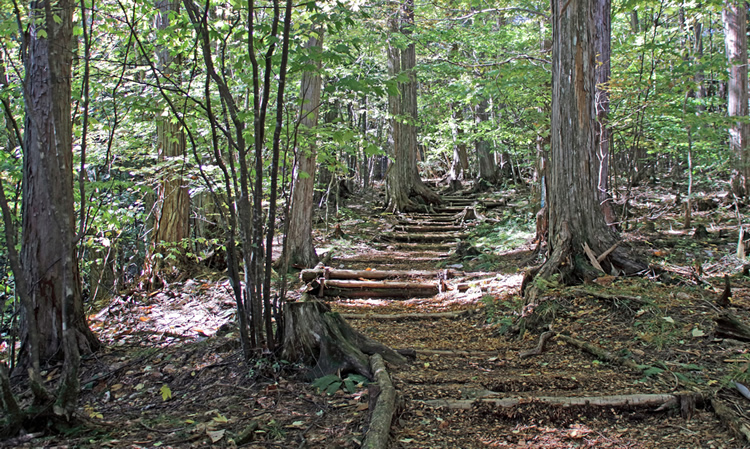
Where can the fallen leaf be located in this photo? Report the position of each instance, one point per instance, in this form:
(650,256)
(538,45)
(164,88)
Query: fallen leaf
(215,435)
(166,392)
(144,318)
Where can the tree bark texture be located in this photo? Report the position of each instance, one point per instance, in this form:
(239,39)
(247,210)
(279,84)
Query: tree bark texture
(299,241)
(48,242)
(172,207)
(404,182)
(575,217)
(734,17)
(487,169)
(316,336)
(603,21)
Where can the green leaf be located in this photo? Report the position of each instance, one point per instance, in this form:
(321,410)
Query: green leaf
(333,387)
(325,382)
(41,34)
(57,19)
(166,392)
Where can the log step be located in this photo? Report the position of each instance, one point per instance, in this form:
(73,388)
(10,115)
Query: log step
(436,237)
(430,228)
(333,273)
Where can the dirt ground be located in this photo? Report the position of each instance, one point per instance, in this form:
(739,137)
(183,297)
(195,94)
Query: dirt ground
(172,374)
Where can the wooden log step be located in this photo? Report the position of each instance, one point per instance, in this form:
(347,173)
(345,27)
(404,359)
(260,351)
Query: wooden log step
(333,273)
(430,228)
(450,209)
(392,293)
(492,204)
(403,316)
(389,259)
(378,284)
(434,217)
(633,400)
(427,223)
(436,237)
(419,246)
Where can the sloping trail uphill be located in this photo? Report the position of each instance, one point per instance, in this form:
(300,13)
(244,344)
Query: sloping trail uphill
(468,386)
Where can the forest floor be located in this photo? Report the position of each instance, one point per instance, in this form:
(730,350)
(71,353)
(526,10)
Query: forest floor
(172,373)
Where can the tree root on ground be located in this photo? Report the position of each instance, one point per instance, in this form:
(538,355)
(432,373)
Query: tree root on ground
(385,407)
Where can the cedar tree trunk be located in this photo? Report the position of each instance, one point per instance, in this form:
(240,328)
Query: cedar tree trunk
(48,242)
(299,248)
(735,38)
(575,217)
(404,182)
(172,208)
(603,20)
(487,169)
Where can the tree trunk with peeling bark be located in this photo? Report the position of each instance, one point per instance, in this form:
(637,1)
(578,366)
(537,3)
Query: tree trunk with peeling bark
(575,218)
(603,21)
(299,248)
(172,208)
(53,318)
(734,16)
(404,182)
(486,167)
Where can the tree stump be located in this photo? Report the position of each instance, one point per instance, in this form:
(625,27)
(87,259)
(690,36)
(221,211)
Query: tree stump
(322,339)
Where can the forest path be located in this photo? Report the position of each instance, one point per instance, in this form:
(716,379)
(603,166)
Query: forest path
(459,360)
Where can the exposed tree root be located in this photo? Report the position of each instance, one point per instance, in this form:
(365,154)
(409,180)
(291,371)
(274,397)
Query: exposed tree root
(321,338)
(600,352)
(572,265)
(385,407)
(597,351)
(539,347)
(731,420)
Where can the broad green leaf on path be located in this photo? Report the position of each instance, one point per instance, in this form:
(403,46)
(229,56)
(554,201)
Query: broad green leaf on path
(698,333)
(166,393)
(668,319)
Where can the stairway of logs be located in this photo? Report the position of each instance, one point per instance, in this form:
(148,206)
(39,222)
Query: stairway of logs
(467,386)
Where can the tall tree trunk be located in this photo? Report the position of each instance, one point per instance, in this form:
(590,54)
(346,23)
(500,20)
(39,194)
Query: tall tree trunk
(735,38)
(603,22)
(299,248)
(48,242)
(172,207)
(487,169)
(460,165)
(404,182)
(575,218)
